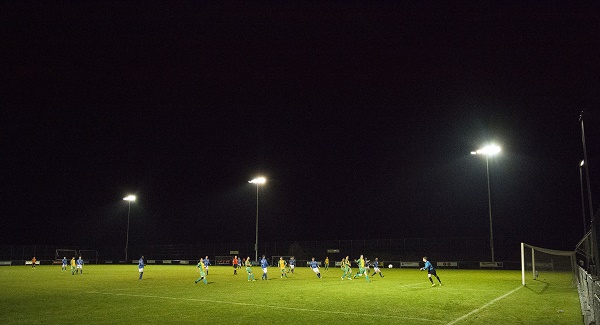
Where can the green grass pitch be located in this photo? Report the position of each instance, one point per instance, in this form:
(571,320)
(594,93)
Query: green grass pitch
(112,294)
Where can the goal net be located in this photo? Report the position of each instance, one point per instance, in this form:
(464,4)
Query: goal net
(66,253)
(548,265)
(89,256)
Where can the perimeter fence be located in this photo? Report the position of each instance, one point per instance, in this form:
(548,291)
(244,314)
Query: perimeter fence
(401,249)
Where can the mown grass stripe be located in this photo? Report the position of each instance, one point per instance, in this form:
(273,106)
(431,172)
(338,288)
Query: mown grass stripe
(476,310)
(267,306)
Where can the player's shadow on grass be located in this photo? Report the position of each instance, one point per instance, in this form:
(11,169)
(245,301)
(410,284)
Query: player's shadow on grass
(545,287)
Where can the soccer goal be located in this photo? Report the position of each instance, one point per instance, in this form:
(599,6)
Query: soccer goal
(548,264)
(89,256)
(63,252)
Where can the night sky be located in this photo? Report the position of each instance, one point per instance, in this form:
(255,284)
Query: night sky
(362,118)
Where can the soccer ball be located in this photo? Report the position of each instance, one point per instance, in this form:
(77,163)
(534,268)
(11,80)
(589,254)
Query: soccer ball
(390,266)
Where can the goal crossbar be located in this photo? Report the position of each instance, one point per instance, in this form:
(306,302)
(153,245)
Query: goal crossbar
(555,252)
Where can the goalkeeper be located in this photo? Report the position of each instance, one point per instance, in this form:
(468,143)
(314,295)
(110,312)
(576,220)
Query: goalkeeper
(430,271)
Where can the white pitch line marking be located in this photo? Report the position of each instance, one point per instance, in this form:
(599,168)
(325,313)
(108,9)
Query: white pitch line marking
(476,290)
(420,284)
(269,306)
(476,310)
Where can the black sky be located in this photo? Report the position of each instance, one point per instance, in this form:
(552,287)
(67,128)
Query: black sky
(361,116)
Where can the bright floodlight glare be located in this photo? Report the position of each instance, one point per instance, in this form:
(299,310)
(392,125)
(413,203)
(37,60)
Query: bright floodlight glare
(259,180)
(582,163)
(487,150)
(129,198)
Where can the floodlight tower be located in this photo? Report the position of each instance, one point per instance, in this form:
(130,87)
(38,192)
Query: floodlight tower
(594,249)
(257,181)
(582,195)
(488,151)
(129,199)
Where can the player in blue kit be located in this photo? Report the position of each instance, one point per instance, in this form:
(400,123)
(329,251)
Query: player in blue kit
(430,271)
(264,264)
(376,268)
(206,263)
(64,263)
(141,267)
(79,266)
(314,265)
(292,263)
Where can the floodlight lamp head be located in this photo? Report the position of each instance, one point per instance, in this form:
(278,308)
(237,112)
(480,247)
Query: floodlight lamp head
(129,198)
(582,163)
(259,180)
(487,150)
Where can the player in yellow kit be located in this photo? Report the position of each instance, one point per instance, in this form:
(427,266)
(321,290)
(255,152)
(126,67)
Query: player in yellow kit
(346,267)
(361,268)
(281,264)
(73,265)
(202,270)
(249,269)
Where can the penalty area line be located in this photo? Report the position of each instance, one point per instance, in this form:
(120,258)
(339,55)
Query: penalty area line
(267,306)
(476,310)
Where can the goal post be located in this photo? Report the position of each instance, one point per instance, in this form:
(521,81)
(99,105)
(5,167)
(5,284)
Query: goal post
(535,259)
(66,253)
(90,255)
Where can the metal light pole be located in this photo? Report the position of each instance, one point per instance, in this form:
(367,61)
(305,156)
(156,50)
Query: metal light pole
(129,199)
(489,151)
(582,196)
(594,249)
(257,181)
(587,171)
